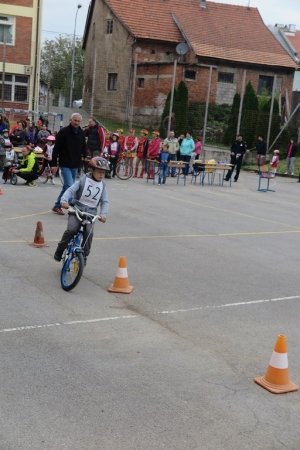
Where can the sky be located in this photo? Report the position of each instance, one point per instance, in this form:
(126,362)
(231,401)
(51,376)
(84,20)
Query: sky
(59,15)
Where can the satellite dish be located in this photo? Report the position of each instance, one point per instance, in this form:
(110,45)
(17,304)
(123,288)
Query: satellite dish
(182,48)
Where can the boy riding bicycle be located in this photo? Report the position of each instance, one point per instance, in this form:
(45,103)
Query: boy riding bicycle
(87,194)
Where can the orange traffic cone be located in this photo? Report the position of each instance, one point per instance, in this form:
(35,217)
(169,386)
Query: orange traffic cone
(39,240)
(276,379)
(121,283)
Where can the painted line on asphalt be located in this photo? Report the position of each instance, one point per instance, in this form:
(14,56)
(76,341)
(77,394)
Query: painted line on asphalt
(135,316)
(230,305)
(174,236)
(42,213)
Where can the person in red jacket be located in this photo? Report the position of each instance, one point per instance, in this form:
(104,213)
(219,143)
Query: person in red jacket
(153,152)
(130,146)
(141,153)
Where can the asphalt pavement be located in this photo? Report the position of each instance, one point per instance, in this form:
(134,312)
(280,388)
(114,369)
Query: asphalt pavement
(170,366)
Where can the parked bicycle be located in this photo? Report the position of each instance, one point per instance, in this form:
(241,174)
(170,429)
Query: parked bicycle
(73,256)
(124,170)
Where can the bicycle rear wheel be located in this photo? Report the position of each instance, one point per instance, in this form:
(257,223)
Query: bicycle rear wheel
(124,170)
(71,271)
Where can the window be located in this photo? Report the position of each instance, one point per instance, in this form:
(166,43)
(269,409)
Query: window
(225,77)
(7,30)
(112,81)
(190,75)
(141,82)
(109,26)
(265,84)
(15,88)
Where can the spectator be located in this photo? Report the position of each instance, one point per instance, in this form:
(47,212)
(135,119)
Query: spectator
(42,135)
(141,153)
(114,151)
(290,158)
(173,146)
(186,149)
(164,158)
(19,136)
(274,161)
(95,134)
(238,149)
(261,151)
(153,152)
(69,149)
(130,146)
(29,166)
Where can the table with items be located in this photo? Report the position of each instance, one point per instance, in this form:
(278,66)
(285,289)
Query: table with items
(210,170)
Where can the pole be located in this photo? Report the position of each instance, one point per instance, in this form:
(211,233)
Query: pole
(206,111)
(73,58)
(3,66)
(271,111)
(93,82)
(133,89)
(172,96)
(241,103)
(285,125)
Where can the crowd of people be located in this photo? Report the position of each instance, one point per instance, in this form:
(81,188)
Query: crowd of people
(101,150)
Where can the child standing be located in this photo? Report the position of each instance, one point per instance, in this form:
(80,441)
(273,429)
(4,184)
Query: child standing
(164,158)
(87,194)
(47,170)
(274,162)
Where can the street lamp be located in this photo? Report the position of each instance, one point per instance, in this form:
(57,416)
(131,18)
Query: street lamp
(73,57)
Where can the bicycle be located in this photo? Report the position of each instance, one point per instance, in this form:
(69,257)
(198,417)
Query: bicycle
(73,258)
(10,175)
(124,170)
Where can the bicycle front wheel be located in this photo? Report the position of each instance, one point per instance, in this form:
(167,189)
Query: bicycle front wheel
(13,179)
(71,271)
(124,170)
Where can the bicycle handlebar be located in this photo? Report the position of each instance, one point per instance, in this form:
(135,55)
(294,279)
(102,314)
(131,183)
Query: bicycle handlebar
(81,215)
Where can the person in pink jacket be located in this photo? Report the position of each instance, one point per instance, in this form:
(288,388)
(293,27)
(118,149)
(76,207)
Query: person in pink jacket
(153,152)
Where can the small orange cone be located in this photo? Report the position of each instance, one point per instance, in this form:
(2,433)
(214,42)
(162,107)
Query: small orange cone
(39,240)
(121,283)
(1,191)
(276,379)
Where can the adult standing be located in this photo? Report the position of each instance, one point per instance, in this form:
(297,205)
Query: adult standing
(290,158)
(186,149)
(238,149)
(261,151)
(95,134)
(173,146)
(69,149)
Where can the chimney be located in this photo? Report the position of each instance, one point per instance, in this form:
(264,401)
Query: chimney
(202,3)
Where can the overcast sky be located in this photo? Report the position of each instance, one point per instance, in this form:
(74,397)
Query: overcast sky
(59,15)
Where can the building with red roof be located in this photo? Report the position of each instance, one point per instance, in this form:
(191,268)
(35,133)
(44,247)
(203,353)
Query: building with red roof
(130,48)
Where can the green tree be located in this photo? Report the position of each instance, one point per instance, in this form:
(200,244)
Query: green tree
(230,131)
(249,115)
(165,116)
(181,108)
(56,64)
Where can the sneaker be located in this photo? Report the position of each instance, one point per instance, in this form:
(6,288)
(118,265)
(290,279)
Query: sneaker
(52,181)
(58,211)
(32,184)
(57,256)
